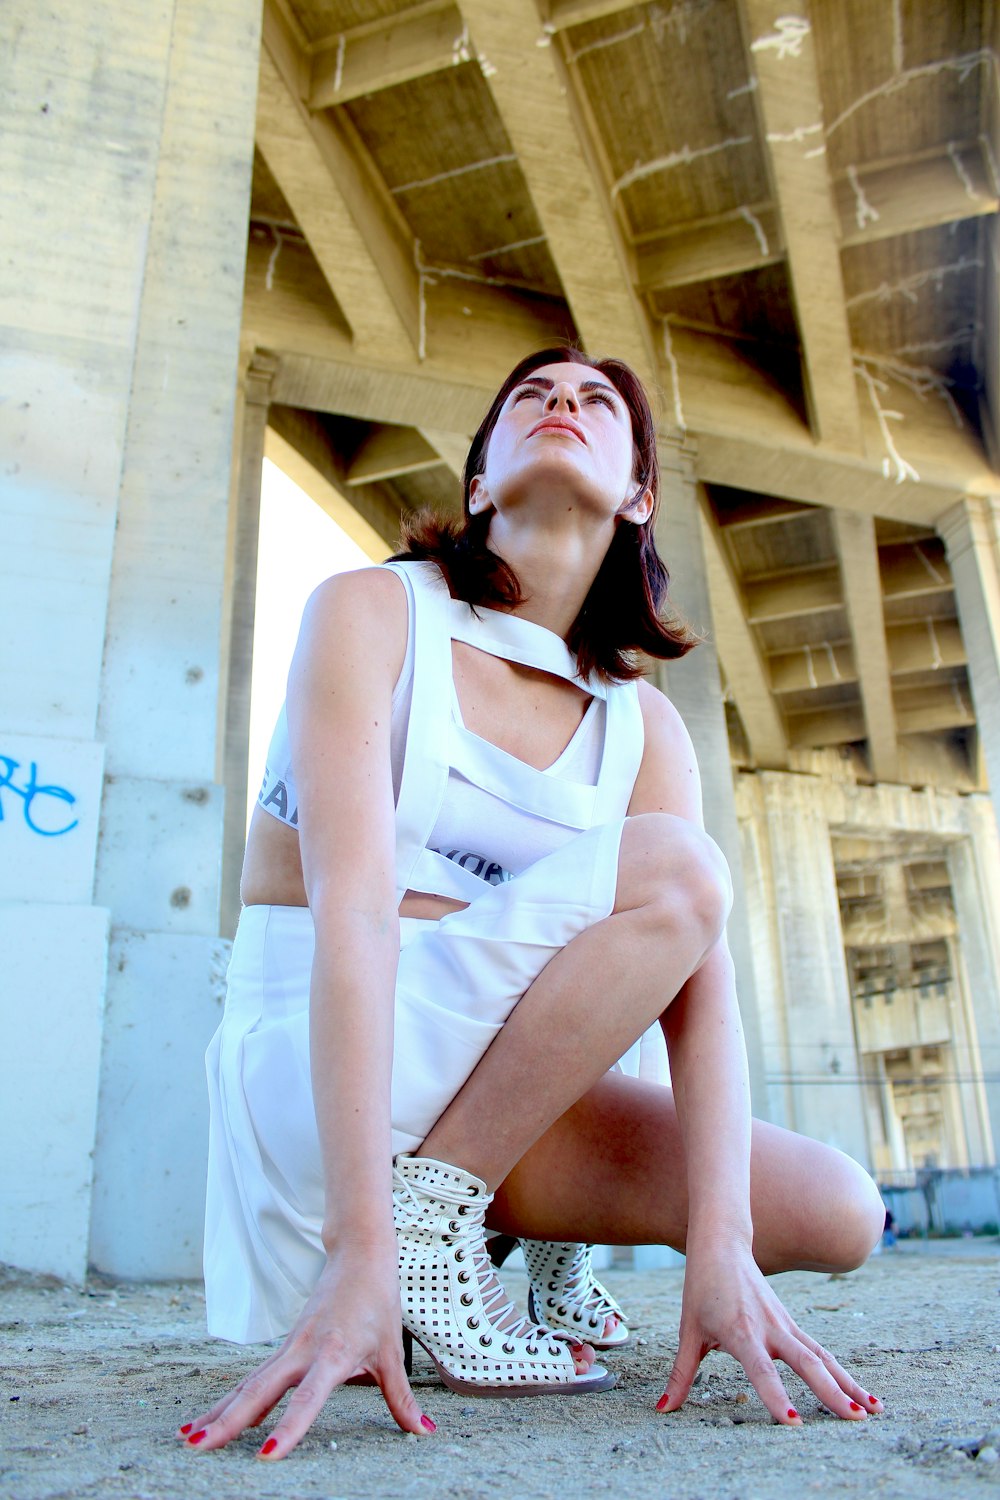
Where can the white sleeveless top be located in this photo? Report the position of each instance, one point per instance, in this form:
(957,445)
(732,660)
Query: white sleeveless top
(469,814)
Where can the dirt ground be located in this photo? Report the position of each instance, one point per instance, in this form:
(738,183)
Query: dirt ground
(95,1382)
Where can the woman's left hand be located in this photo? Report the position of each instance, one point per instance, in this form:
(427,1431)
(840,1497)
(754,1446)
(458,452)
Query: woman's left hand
(728,1305)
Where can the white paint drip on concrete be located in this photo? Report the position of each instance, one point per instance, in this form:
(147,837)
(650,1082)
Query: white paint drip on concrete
(472,166)
(937,660)
(864,213)
(964,65)
(786,39)
(675,376)
(991,160)
(831,658)
(893,462)
(919,379)
(756,226)
(338,72)
(745,88)
(535,239)
(681,158)
(460,47)
(272,259)
(798,135)
(928,346)
(486,67)
(607,41)
(909,286)
(810,667)
(963,176)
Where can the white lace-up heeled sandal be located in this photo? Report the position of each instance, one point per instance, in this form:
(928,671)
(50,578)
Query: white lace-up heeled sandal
(565,1294)
(453,1303)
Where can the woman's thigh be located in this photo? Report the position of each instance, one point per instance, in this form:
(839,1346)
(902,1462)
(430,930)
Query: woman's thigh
(611,1171)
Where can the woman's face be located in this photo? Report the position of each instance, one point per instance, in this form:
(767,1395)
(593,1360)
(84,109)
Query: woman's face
(563,436)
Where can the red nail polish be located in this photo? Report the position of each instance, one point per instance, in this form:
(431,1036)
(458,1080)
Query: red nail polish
(855,1406)
(196,1437)
(186,1428)
(428,1425)
(873,1400)
(792,1412)
(663,1402)
(269,1447)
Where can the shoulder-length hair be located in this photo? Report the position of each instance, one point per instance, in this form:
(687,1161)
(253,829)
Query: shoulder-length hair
(627,610)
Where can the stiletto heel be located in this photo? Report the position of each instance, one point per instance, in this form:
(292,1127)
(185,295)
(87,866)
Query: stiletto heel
(407,1350)
(453,1304)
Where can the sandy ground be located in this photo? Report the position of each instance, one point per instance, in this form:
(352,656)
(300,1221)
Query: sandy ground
(95,1382)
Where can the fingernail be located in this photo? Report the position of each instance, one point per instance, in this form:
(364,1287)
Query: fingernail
(196,1437)
(855,1406)
(268,1447)
(792,1414)
(873,1400)
(183,1431)
(663,1402)
(428,1425)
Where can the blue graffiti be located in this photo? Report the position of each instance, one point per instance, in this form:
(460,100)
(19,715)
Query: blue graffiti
(29,791)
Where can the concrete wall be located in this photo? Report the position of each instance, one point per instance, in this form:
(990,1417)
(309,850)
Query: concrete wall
(126,135)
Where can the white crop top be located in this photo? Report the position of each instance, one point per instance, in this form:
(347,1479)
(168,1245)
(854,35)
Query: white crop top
(483,831)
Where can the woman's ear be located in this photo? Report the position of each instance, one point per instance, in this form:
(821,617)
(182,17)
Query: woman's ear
(639,510)
(479,498)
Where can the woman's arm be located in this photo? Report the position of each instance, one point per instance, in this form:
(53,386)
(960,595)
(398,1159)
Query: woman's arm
(727,1302)
(348,658)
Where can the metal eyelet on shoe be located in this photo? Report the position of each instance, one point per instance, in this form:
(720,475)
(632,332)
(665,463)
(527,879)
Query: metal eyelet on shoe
(473,1322)
(459,1254)
(486,1339)
(453,1228)
(463,1277)
(467,1299)
(577,1316)
(508,1348)
(463,1208)
(561,1310)
(532,1348)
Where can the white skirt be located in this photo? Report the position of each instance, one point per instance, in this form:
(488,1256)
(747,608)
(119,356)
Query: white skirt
(458,980)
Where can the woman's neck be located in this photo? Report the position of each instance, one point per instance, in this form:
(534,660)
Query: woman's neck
(555,565)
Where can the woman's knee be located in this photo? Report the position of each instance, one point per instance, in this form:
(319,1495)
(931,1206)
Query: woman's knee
(672,867)
(853,1211)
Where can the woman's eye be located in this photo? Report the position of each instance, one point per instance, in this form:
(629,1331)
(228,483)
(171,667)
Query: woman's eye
(605,400)
(528,390)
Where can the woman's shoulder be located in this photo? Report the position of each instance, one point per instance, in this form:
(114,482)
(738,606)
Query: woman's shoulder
(661,721)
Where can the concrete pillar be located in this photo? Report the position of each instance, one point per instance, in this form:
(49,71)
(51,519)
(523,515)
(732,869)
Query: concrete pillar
(971,532)
(694,687)
(253,404)
(126,137)
(824,1086)
(974,871)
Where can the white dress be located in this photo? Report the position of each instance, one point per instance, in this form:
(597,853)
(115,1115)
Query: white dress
(458,978)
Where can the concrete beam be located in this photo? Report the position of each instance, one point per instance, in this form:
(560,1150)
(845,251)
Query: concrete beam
(354,229)
(790,107)
(841,725)
(812,667)
(927,710)
(381,54)
(744,666)
(972,535)
(925,646)
(857,552)
(914,570)
(389,450)
(800,591)
(293,432)
(535,97)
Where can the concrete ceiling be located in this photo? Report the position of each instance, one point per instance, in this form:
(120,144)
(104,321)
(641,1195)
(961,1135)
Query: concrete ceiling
(789,226)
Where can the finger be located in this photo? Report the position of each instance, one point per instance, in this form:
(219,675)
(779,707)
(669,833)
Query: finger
(399,1397)
(768,1384)
(681,1378)
(846,1382)
(809,1364)
(305,1405)
(214,1412)
(258,1394)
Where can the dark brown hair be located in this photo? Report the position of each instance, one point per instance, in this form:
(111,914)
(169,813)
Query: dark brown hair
(626,610)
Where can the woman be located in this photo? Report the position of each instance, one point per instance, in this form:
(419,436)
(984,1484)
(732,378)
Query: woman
(458,1027)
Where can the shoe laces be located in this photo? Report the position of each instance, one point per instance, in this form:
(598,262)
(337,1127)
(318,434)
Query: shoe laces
(579,1274)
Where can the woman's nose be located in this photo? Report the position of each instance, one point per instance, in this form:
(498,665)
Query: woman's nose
(562,395)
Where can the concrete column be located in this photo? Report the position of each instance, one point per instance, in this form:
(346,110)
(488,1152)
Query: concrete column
(694,687)
(824,1088)
(974,871)
(971,532)
(126,138)
(241,593)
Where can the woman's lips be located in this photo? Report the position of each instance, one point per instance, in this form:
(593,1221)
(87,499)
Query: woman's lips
(560,425)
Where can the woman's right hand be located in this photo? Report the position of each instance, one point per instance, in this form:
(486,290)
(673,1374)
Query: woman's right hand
(350,1326)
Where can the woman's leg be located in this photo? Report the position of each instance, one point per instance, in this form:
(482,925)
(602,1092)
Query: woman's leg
(611,1170)
(593,999)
